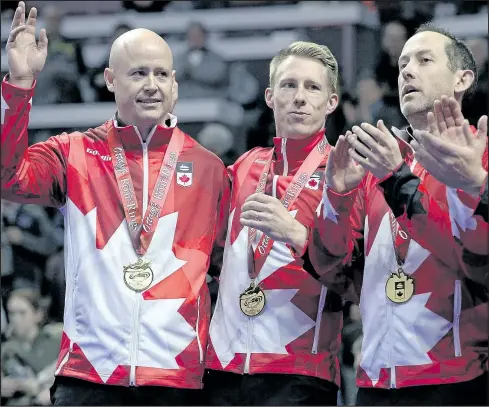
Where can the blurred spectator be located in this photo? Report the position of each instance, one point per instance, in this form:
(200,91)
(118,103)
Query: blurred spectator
(58,81)
(243,86)
(30,354)
(145,6)
(96,75)
(476,106)
(220,140)
(56,285)
(32,237)
(200,72)
(394,36)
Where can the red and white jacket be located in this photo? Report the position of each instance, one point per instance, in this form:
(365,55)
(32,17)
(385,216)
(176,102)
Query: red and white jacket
(113,335)
(440,335)
(298,332)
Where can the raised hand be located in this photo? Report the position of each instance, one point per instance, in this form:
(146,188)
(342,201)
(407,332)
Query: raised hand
(446,122)
(342,174)
(450,151)
(26,56)
(375,149)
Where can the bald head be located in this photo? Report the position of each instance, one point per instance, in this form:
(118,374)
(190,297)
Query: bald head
(142,78)
(135,43)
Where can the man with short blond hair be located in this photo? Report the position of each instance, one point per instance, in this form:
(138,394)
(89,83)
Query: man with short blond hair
(275,332)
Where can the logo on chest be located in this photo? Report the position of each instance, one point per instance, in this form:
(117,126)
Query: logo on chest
(314,181)
(185,173)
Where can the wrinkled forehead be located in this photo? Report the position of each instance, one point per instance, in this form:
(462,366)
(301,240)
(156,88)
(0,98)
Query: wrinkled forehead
(302,68)
(425,41)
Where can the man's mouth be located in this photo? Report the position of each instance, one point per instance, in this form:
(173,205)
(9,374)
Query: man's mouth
(149,101)
(408,89)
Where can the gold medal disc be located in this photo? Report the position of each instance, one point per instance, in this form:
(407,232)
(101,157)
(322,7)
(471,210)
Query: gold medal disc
(252,301)
(399,287)
(138,276)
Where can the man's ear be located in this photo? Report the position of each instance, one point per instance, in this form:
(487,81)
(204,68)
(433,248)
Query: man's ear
(464,79)
(269,97)
(174,92)
(332,103)
(109,79)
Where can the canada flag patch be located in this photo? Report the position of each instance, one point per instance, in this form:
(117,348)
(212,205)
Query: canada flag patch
(185,173)
(314,181)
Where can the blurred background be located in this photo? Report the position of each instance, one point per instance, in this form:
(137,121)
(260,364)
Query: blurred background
(222,49)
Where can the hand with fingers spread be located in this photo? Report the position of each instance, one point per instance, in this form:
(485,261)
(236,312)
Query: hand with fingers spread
(375,149)
(268,214)
(342,174)
(26,56)
(450,151)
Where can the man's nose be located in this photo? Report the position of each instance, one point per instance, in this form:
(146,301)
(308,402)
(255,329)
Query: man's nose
(299,98)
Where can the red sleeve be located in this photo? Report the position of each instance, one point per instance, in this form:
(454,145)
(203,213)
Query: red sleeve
(35,174)
(337,233)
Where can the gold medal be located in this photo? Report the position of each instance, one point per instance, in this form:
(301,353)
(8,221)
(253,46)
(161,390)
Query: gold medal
(252,301)
(138,276)
(399,287)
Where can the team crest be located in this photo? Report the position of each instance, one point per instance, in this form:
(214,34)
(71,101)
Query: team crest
(314,181)
(185,173)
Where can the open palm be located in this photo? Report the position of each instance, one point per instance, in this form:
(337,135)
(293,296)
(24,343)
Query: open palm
(26,57)
(342,174)
(447,121)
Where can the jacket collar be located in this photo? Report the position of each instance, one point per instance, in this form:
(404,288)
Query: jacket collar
(131,139)
(291,153)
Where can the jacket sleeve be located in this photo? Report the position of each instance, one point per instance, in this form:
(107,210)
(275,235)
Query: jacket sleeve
(35,174)
(449,226)
(336,242)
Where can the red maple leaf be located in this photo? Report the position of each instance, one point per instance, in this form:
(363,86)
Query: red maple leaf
(313,182)
(184,179)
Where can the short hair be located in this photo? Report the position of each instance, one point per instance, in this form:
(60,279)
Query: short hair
(458,53)
(311,50)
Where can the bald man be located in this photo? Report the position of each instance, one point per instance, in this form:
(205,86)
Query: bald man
(144,207)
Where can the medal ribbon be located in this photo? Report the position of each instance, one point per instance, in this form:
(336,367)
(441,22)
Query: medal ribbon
(291,194)
(141,229)
(400,239)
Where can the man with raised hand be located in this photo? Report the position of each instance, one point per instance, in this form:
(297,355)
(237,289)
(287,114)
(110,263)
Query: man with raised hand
(421,299)
(143,204)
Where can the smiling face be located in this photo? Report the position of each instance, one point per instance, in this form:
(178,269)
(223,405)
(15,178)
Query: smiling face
(142,78)
(301,97)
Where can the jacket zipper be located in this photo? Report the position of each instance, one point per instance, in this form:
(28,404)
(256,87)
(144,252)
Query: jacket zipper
(201,353)
(137,296)
(391,362)
(249,330)
(457,308)
(322,300)
(284,155)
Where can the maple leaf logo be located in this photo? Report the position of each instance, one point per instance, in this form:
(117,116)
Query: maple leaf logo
(387,342)
(184,179)
(272,330)
(313,182)
(101,298)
